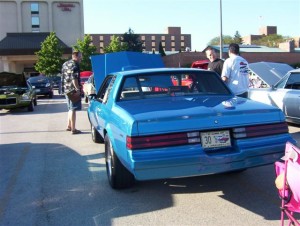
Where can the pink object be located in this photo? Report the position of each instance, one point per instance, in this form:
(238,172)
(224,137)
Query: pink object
(290,193)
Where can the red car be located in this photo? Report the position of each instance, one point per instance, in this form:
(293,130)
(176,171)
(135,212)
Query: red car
(186,80)
(203,64)
(84,76)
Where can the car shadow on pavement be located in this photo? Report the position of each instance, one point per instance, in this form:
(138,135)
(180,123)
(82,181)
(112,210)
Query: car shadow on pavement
(253,190)
(51,184)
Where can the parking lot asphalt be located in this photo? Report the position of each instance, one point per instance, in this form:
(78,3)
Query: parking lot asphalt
(50,177)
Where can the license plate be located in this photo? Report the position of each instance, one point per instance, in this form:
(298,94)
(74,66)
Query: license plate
(37,90)
(215,139)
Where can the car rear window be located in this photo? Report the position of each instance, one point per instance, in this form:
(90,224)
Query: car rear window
(172,84)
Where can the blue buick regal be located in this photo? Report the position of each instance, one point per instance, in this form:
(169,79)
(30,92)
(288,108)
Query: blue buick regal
(154,124)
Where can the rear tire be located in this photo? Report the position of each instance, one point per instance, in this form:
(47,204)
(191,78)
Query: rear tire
(118,176)
(96,137)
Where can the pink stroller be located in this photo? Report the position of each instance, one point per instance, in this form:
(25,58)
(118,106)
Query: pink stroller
(288,184)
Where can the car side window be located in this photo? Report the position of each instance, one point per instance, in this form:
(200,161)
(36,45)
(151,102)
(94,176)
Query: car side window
(282,83)
(293,81)
(105,89)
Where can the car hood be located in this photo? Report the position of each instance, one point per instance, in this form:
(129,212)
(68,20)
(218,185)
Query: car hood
(12,80)
(270,72)
(187,114)
(105,64)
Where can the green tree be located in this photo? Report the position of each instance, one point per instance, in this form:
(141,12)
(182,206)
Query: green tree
(270,40)
(87,49)
(115,45)
(161,50)
(237,38)
(49,60)
(227,39)
(132,41)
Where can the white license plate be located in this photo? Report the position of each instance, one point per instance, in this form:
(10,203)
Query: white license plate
(37,90)
(215,139)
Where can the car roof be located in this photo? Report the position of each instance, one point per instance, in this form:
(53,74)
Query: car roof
(39,78)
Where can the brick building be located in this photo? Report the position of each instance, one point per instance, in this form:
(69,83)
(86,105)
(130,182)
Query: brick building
(286,54)
(172,40)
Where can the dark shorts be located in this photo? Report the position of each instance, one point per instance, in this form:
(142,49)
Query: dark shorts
(73,106)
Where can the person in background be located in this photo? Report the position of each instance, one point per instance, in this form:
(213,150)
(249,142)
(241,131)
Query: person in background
(71,81)
(235,72)
(215,64)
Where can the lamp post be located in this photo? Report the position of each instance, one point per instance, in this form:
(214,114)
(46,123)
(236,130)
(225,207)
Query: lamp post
(221,35)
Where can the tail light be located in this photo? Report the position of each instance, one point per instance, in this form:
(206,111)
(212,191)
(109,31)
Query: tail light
(166,140)
(163,140)
(260,130)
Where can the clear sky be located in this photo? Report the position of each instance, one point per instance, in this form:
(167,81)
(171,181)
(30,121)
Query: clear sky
(200,18)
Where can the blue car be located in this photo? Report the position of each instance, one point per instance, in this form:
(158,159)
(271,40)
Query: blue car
(154,127)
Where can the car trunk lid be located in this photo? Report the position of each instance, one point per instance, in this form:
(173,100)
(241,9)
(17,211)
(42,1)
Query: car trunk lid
(201,113)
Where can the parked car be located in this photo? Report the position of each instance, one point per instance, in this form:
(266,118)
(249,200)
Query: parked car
(89,88)
(84,76)
(201,64)
(154,128)
(15,92)
(285,95)
(56,81)
(266,74)
(42,85)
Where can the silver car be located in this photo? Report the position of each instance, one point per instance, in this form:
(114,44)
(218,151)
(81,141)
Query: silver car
(285,94)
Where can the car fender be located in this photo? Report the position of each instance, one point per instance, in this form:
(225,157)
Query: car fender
(119,145)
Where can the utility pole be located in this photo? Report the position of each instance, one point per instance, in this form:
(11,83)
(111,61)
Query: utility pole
(221,33)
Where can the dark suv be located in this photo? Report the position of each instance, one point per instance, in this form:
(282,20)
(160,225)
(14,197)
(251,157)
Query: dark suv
(42,85)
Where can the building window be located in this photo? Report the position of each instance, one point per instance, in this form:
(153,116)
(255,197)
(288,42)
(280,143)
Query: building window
(101,44)
(172,44)
(163,38)
(152,38)
(101,38)
(173,38)
(143,37)
(34,7)
(35,20)
(182,38)
(153,44)
(163,44)
(182,44)
(35,23)
(173,49)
